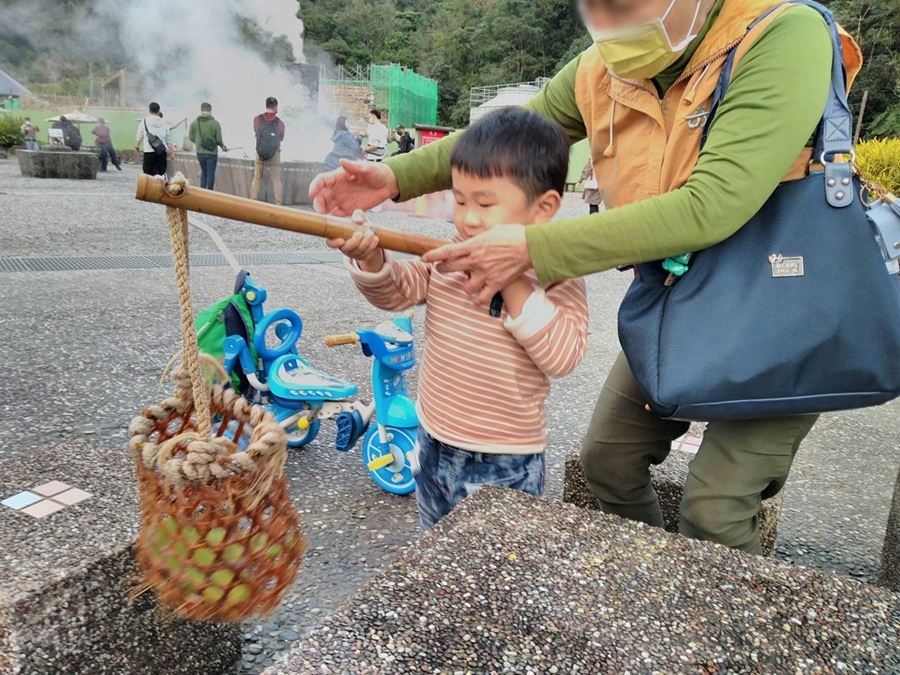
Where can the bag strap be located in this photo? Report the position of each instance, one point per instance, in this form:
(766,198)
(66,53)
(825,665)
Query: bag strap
(200,129)
(834,135)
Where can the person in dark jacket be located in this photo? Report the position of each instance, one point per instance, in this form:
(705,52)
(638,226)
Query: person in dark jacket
(71,134)
(405,142)
(346,146)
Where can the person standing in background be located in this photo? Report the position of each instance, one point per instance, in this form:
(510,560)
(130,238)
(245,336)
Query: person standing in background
(377,137)
(405,143)
(151,128)
(269,130)
(30,132)
(345,145)
(105,145)
(206,135)
(591,193)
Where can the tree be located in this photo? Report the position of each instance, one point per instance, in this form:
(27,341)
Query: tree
(873,23)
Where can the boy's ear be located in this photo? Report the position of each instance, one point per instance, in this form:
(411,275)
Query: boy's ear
(546,206)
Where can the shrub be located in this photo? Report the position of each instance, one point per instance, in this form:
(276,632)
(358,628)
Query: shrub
(11,131)
(879,161)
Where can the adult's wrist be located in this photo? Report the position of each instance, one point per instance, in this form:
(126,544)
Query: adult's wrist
(536,243)
(395,186)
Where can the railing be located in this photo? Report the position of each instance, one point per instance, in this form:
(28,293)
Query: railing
(483,94)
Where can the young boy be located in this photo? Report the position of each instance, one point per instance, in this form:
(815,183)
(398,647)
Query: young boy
(484,380)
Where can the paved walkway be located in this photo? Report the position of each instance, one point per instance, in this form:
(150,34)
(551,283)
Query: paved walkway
(82,351)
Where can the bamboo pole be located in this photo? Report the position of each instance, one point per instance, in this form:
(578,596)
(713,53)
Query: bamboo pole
(219,204)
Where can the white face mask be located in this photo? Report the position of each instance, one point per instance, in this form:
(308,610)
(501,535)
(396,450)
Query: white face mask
(644,50)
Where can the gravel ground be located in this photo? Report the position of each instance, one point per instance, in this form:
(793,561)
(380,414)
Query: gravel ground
(83,351)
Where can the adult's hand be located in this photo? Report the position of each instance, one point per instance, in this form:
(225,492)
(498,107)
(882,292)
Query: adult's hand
(355,185)
(492,260)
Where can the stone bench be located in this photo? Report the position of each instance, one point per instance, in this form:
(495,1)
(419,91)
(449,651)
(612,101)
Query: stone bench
(510,583)
(58,163)
(668,481)
(66,579)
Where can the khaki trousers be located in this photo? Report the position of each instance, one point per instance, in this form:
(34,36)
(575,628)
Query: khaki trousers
(739,463)
(274,166)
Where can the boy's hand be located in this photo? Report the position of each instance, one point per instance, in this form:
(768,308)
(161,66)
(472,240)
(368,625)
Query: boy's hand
(362,246)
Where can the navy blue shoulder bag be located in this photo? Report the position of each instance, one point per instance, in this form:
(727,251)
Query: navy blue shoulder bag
(796,313)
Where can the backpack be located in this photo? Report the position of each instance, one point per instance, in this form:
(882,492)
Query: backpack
(223,319)
(158,145)
(267,138)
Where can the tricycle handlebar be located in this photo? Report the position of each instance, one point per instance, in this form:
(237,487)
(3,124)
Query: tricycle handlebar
(338,340)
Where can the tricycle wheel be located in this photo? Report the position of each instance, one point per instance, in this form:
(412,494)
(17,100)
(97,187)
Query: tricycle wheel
(396,476)
(297,437)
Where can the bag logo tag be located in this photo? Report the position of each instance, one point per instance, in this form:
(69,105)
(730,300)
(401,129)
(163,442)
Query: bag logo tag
(786,266)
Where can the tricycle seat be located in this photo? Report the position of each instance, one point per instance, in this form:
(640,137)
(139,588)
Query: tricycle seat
(291,378)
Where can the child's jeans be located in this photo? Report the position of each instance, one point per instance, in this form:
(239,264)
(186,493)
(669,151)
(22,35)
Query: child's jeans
(447,475)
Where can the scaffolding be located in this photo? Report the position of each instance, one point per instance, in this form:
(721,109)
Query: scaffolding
(401,94)
(483,100)
(346,91)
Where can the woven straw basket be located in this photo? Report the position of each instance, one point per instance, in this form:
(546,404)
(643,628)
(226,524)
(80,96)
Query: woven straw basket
(221,548)
(220,538)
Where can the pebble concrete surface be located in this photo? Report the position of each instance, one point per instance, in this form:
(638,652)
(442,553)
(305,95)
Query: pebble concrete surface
(513,584)
(68,580)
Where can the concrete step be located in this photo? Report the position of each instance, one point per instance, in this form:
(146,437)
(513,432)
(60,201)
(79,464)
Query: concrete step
(668,481)
(66,578)
(510,583)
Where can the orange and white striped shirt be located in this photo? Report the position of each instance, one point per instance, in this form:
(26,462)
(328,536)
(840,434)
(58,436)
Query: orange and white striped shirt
(484,380)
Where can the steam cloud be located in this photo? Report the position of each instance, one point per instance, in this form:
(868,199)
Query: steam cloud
(193,51)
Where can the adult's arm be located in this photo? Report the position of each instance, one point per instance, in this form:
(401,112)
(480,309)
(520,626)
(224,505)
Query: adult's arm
(428,168)
(773,104)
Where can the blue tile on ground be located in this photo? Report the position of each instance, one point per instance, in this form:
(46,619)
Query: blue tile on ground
(21,500)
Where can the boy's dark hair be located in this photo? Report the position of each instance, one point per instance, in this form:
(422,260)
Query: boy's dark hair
(376,112)
(154,108)
(271,102)
(206,107)
(513,143)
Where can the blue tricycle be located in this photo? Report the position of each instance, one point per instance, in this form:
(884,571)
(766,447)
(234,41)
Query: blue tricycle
(301,397)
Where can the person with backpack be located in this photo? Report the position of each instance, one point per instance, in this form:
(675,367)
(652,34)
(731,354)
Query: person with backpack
(71,134)
(206,135)
(154,139)
(269,131)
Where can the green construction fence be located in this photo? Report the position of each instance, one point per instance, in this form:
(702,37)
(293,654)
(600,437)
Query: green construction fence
(409,97)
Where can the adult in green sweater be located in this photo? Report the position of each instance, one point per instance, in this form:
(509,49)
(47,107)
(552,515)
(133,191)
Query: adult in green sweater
(641,96)
(206,135)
